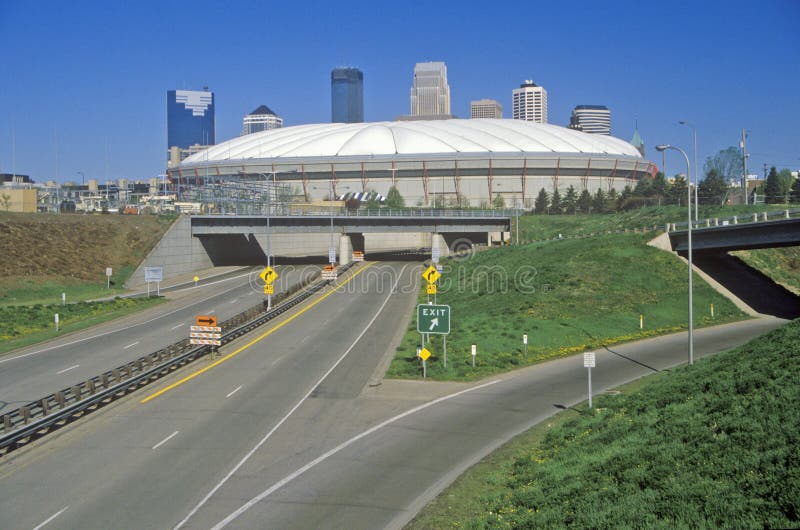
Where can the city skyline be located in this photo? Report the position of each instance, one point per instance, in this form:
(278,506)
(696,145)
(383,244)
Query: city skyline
(109,121)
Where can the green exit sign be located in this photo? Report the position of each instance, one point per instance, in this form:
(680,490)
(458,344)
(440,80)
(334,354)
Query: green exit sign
(433,319)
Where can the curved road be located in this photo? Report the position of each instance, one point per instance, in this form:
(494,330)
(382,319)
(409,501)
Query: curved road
(292,430)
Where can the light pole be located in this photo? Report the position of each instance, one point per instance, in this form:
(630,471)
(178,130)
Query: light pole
(331,249)
(662,148)
(696,174)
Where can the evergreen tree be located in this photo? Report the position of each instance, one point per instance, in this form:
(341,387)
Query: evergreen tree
(498,201)
(677,191)
(599,201)
(611,200)
(555,203)
(585,202)
(795,194)
(660,185)
(773,190)
(394,199)
(644,187)
(541,203)
(624,197)
(570,200)
(713,189)
(786,181)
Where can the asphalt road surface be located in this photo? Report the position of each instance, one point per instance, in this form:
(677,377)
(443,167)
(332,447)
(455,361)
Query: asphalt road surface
(292,430)
(30,373)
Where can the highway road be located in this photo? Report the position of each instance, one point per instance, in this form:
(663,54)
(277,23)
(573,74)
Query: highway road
(33,372)
(293,430)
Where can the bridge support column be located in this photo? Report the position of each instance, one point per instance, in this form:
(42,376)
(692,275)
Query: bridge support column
(786,214)
(735,220)
(437,240)
(764,218)
(345,249)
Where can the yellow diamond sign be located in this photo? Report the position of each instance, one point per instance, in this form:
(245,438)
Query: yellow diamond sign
(431,274)
(424,354)
(268,275)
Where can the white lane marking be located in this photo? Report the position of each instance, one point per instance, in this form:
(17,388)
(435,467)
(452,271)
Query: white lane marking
(165,440)
(344,445)
(210,312)
(234,300)
(159,317)
(67,369)
(173,328)
(130,345)
(59,512)
(251,293)
(273,363)
(234,391)
(304,339)
(297,405)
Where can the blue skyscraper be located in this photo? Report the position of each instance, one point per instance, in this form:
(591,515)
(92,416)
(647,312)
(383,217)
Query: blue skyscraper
(347,95)
(190,118)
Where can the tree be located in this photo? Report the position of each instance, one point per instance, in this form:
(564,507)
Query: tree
(599,201)
(660,185)
(624,198)
(570,200)
(5,199)
(611,200)
(644,187)
(795,194)
(585,202)
(774,190)
(498,201)
(713,189)
(394,199)
(555,203)
(727,163)
(541,203)
(786,181)
(677,191)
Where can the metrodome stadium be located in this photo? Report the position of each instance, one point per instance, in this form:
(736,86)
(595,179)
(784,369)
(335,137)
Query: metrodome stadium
(455,162)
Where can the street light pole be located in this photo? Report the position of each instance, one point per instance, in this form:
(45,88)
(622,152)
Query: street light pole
(696,174)
(662,148)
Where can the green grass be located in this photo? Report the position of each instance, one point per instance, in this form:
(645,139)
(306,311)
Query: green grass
(782,265)
(712,445)
(25,325)
(541,227)
(32,291)
(568,296)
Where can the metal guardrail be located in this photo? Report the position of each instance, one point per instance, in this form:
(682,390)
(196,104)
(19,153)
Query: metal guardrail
(42,416)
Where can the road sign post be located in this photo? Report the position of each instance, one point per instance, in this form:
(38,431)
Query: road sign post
(424,354)
(64,302)
(109,271)
(196,279)
(589,363)
(56,318)
(525,345)
(474,353)
(444,349)
(153,274)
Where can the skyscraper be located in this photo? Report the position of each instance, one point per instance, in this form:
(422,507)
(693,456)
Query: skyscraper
(347,95)
(190,118)
(261,119)
(430,93)
(485,108)
(530,102)
(594,119)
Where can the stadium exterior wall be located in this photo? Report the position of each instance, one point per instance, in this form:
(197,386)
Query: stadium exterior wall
(463,180)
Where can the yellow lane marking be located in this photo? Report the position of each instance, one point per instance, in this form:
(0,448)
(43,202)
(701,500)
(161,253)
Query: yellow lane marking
(254,341)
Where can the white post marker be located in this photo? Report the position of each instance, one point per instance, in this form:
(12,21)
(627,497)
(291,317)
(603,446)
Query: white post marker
(641,321)
(196,279)
(64,299)
(589,363)
(108,277)
(56,322)
(474,353)
(525,345)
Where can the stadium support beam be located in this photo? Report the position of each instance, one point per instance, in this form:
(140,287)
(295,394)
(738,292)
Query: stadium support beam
(491,181)
(524,179)
(425,180)
(305,181)
(364,178)
(457,182)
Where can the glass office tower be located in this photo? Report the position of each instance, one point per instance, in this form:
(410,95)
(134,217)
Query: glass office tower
(347,95)
(190,118)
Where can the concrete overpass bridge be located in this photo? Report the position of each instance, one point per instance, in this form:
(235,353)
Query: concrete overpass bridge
(198,242)
(766,233)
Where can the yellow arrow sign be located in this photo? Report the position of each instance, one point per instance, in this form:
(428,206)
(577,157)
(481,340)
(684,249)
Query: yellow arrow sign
(431,274)
(268,275)
(424,354)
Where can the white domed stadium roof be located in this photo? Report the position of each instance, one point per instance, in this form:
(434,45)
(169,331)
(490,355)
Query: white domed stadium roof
(408,138)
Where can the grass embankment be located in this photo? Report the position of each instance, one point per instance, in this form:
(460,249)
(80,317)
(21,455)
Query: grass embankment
(712,445)
(568,296)
(25,325)
(541,227)
(782,265)
(44,255)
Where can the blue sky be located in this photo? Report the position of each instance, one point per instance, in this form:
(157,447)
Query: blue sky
(84,83)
